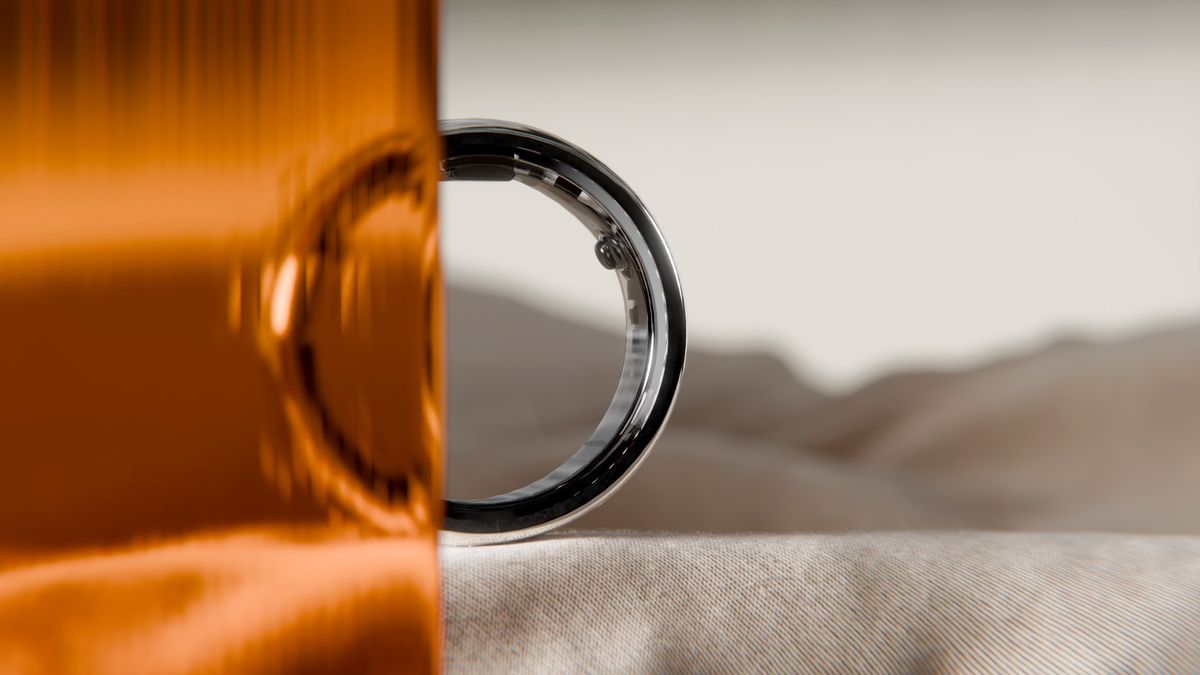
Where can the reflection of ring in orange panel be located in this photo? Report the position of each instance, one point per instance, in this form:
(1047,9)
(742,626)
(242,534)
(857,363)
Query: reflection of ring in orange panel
(155,153)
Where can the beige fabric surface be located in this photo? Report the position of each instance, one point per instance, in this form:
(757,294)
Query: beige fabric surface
(1035,514)
(886,603)
(881,517)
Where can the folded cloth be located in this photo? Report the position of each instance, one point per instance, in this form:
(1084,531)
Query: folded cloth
(1079,437)
(278,600)
(284,601)
(1100,437)
(880,603)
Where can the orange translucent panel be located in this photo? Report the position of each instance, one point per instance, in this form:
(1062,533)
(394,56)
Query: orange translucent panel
(154,155)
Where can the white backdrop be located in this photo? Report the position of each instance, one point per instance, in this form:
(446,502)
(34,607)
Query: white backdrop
(858,186)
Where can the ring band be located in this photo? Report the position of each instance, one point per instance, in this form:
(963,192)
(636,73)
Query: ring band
(627,241)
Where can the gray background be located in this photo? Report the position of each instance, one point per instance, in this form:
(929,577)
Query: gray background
(858,186)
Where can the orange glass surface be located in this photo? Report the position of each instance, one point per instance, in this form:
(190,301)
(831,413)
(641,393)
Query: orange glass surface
(156,157)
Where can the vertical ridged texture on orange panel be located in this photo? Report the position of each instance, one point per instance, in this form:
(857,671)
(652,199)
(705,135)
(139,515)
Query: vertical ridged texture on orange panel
(154,155)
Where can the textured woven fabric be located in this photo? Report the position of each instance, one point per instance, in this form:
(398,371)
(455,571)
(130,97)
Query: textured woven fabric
(886,503)
(278,600)
(881,603)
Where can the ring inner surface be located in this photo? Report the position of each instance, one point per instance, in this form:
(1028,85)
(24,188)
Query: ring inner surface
(619,253)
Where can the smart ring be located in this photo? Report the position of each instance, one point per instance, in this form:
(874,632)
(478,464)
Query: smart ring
(628,242)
